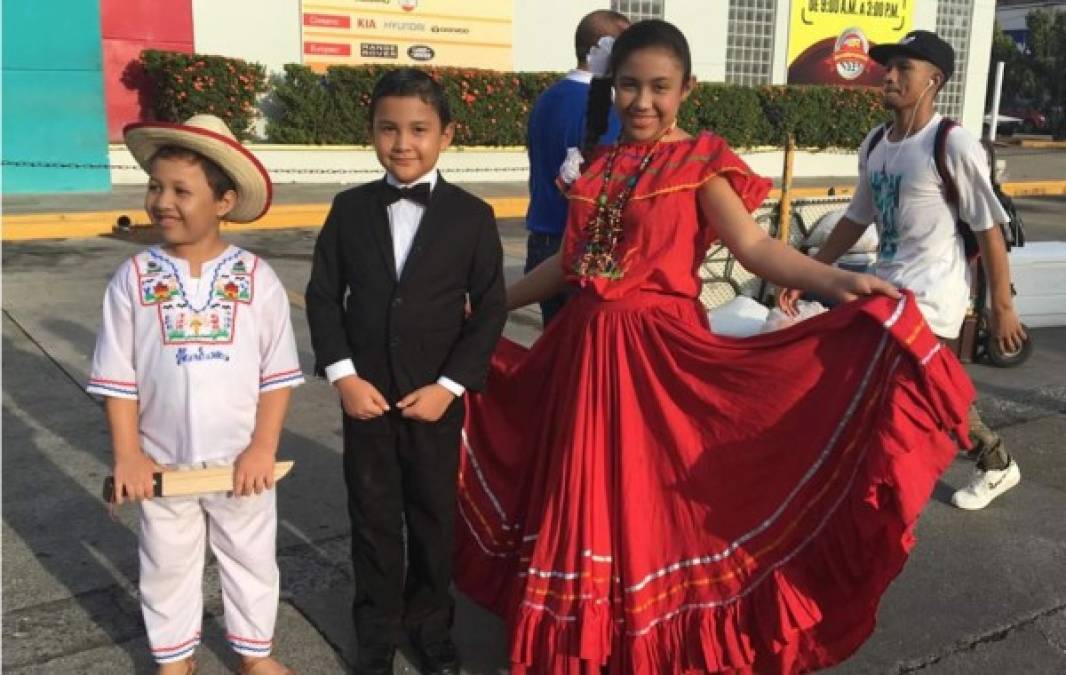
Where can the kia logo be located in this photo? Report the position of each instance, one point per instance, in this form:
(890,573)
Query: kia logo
(421,52)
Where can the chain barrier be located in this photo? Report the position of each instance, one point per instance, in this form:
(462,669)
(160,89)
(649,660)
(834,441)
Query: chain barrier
(64,165)
(106,166)
(338,172)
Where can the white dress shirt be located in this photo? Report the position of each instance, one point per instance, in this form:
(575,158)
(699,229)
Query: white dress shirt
(404,218)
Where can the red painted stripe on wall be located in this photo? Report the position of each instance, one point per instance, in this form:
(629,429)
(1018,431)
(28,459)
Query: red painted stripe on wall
(127,28)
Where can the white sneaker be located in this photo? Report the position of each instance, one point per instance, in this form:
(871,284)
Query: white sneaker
(985,486)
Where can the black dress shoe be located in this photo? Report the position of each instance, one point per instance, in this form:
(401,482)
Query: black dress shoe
(438,657)
(374,660)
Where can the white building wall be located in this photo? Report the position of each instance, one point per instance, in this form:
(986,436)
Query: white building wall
(782,19)
(706,26)
(924,15)
(544,32)
(265,31)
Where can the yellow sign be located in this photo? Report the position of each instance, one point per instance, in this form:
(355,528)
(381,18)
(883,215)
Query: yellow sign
(829,40)
(471,33)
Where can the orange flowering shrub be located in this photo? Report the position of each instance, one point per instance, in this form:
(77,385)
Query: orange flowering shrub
(182,85)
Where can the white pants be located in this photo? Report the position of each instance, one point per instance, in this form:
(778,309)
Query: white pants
(242,532)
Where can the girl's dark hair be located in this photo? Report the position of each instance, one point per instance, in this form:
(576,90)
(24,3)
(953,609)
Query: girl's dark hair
(218,179)
(641,35)
(411,82)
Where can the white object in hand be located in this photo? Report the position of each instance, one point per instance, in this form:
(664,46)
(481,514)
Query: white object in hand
(741,317)
(776,320)
(571,168)
(599,58)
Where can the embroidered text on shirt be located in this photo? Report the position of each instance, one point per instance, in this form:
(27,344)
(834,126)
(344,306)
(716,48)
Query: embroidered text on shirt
(183,355)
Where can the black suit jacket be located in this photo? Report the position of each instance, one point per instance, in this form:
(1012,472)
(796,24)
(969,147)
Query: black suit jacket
(404,333)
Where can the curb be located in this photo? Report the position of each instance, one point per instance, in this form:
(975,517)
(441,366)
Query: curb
(1038,144)
(76,225)
(1036,188)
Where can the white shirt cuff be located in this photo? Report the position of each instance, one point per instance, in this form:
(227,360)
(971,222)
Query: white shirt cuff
(336,371)
(452,386)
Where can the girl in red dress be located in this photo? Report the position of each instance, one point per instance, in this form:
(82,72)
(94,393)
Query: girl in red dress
(640,496)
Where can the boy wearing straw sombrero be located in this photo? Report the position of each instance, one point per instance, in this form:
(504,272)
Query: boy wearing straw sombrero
(196,360)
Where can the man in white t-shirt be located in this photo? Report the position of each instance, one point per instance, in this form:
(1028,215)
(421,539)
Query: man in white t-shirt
(900,189)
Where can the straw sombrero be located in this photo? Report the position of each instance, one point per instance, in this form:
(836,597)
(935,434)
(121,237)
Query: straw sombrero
(209,136)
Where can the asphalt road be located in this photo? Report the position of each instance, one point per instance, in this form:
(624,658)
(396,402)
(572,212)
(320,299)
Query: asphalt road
(984,592)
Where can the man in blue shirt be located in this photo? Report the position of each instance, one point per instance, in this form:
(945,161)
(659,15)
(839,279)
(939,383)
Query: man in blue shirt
(556,123)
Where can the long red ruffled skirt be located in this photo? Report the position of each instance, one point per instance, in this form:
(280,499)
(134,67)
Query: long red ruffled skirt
(640,494)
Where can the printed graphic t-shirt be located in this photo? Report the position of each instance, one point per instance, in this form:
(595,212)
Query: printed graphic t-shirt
(900,190)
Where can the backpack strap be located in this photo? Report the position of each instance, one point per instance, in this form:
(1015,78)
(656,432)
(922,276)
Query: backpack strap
(951,189)
(940,155)
(879,134)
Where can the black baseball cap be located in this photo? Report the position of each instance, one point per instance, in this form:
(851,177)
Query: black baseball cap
(923,45)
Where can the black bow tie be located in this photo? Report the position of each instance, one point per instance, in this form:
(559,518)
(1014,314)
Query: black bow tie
(418,193)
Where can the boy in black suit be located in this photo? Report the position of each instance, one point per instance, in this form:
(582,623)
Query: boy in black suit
(386,304)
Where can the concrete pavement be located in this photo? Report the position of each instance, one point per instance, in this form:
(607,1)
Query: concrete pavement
(983,593)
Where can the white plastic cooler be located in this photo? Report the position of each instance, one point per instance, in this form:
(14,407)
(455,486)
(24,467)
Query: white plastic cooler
(1038,271)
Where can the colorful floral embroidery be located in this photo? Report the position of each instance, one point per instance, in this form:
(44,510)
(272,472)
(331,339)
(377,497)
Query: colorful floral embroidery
(155,290)
(180,321)
(182,326)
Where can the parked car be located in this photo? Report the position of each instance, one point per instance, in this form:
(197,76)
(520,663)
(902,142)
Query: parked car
(1033,120)
(1005,125)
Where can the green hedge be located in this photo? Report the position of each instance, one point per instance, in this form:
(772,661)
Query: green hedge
(733,112)
(182,85)
(491,108)
(820,116)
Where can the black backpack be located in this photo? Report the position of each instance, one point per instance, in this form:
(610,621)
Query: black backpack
(1013,231)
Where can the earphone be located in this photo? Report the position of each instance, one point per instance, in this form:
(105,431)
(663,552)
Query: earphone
(910,125)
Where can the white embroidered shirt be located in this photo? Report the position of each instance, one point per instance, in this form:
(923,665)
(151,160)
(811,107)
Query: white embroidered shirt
(195,354)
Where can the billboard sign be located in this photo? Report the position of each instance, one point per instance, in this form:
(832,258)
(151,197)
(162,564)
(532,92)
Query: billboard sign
(829,40)
(472,33)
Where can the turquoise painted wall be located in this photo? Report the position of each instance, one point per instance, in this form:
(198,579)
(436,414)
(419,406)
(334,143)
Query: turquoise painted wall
(53,95)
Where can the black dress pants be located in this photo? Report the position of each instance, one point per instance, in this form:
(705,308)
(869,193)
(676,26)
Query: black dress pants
(402,483)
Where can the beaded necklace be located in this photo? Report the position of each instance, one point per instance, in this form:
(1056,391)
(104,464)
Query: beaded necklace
(185,300)
(604,231)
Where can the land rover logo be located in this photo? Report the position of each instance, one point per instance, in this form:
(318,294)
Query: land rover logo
(421,52)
